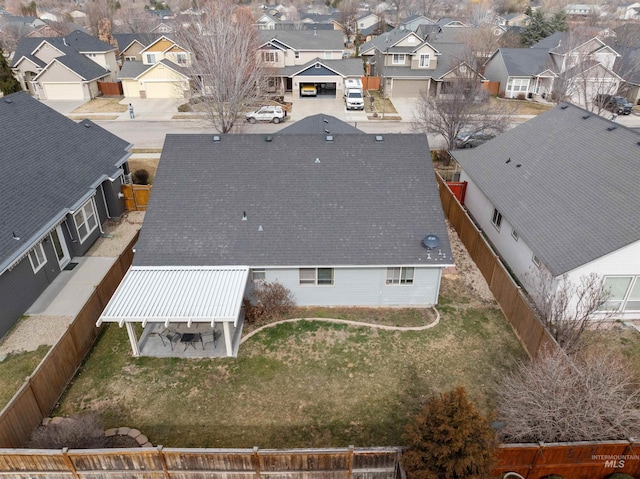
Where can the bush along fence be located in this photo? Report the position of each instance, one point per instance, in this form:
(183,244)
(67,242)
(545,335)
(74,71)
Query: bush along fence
(39,394)
(529,329)
(160,463)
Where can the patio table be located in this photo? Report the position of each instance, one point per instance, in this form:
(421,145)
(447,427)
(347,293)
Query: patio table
(190,339)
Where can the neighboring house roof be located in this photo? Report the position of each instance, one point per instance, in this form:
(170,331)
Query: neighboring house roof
(574,198)
(306,39)
(345,67)
(628,64)
(363,202)
(453,21)
(86,69)
(132,70)
(320,124)
(387,40)
(124,40)
(67,161)
(413,18)
(525,61)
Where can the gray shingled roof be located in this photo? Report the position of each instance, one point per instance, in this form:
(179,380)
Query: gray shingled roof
(307,39)
(87,69)
(386,40)
(318,124)
(46,173)
(575,196)
(125,39)
(345,67)
(366,202)
(526,61)
(131,69)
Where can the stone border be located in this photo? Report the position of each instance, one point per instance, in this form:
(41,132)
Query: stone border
(142,440)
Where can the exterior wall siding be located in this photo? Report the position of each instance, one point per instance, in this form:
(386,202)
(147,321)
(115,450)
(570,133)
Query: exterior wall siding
(496,70)
(361,287)
(46,53)
(58,73)
(111,189)
(133,50)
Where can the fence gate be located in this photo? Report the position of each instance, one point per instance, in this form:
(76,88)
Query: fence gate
(136,197)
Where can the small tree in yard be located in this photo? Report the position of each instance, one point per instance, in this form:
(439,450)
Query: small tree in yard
(225,68)
(464,106)
(449,439)
(590,395)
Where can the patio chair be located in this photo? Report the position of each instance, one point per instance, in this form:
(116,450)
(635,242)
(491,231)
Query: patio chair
(171,335)
(211,337)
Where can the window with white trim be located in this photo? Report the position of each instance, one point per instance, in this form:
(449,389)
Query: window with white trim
(328,55)
(400,275)
(182,58)
(316,276)
(496,220)
(258,275)
(151,58)
(37,258)
(130,59)
(623,292)
(297,55)
(424,60)
(269,57)
(535,260)
(398,59)
(517,85)
(85,220)
(515,235)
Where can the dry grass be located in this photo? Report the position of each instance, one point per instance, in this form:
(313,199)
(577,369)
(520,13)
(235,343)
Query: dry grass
(522,107)
(382,105)
(102,105)
(135,150)
(92,117)
(304,384)
(15,368)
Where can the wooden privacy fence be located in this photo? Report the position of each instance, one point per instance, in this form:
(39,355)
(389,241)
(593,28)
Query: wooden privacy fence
(160,463)
(371,83)
(491,87)
(571,460)
(110,88)
(136,197)
(39,394)
(508,294)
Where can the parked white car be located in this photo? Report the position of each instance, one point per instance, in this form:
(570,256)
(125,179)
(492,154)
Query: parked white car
(275,114)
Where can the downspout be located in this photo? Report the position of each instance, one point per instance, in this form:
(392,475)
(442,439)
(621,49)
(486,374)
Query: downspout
(104,199)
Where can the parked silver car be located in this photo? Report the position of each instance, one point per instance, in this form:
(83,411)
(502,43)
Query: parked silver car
(275,114)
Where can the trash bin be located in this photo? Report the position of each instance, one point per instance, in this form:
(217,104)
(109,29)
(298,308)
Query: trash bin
(529,95)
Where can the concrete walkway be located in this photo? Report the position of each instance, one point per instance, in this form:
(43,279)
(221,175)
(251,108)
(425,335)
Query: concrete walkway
(348,322)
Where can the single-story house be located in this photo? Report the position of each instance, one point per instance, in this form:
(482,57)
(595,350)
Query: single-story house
(337,216)
(60,183)
(557,196)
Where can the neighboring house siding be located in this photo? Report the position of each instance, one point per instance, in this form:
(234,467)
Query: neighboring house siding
(160,46)
(496,70)
(133,51)
(20,287)
(361,287)
(130,88)
(58,73)
(46,53)
(308,56)
(111,189)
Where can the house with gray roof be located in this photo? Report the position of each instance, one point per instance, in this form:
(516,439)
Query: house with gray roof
(558,195)
(64,68)
(338,218)
(58,187)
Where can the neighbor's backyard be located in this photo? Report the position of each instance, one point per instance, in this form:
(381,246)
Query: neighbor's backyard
(306,384)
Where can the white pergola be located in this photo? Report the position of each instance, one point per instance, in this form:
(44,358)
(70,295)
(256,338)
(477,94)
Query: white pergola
(178,294)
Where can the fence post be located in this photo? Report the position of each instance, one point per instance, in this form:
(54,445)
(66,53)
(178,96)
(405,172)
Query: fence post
(69,462)
(255,458)
(163,462)
(350,465)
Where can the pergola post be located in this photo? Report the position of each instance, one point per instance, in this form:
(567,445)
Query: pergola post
(227,338)
(132,339)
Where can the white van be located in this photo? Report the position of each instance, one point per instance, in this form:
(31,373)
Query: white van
(353,94)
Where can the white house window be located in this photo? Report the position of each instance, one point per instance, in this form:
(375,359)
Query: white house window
(403,275)
(361,24)
(316,276)
(398,59)
(518,85)
(411,39)
(37,258)
(130,59)
(151,58)
(258,275)
(515,235)
(91,55)
(328,55)
(182,58)
(624,293)
(297,55)
(424,60)
(496,220)
(269,57)
(85,219)
(535,260)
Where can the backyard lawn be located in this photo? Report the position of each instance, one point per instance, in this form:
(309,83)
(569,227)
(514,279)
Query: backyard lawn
(306,384)
(14,368)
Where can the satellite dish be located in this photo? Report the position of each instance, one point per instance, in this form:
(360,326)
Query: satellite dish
(431,241)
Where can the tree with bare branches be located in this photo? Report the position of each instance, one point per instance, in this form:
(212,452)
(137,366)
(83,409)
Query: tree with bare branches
(587,396)
(464,105)
(226,68)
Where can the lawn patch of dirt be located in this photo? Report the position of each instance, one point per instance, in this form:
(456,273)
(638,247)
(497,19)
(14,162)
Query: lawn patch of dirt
(92,117)
(149,164)
(522,107)
(102,105)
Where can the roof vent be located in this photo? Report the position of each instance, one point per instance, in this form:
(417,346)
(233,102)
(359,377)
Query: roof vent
(508,161)
(8,100)
(244,216)
(564,107)
(378,137)
(317,160)
(86,124)
(584,117)
(430,242)
(216,139)
(326,130)
(518,165)
(16,237)
(260,228)
(611,128)
(268,139)
(329,137)
(325,120)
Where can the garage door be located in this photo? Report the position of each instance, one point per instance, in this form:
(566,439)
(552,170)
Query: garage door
(408,88)
(63,91)
(163,90)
